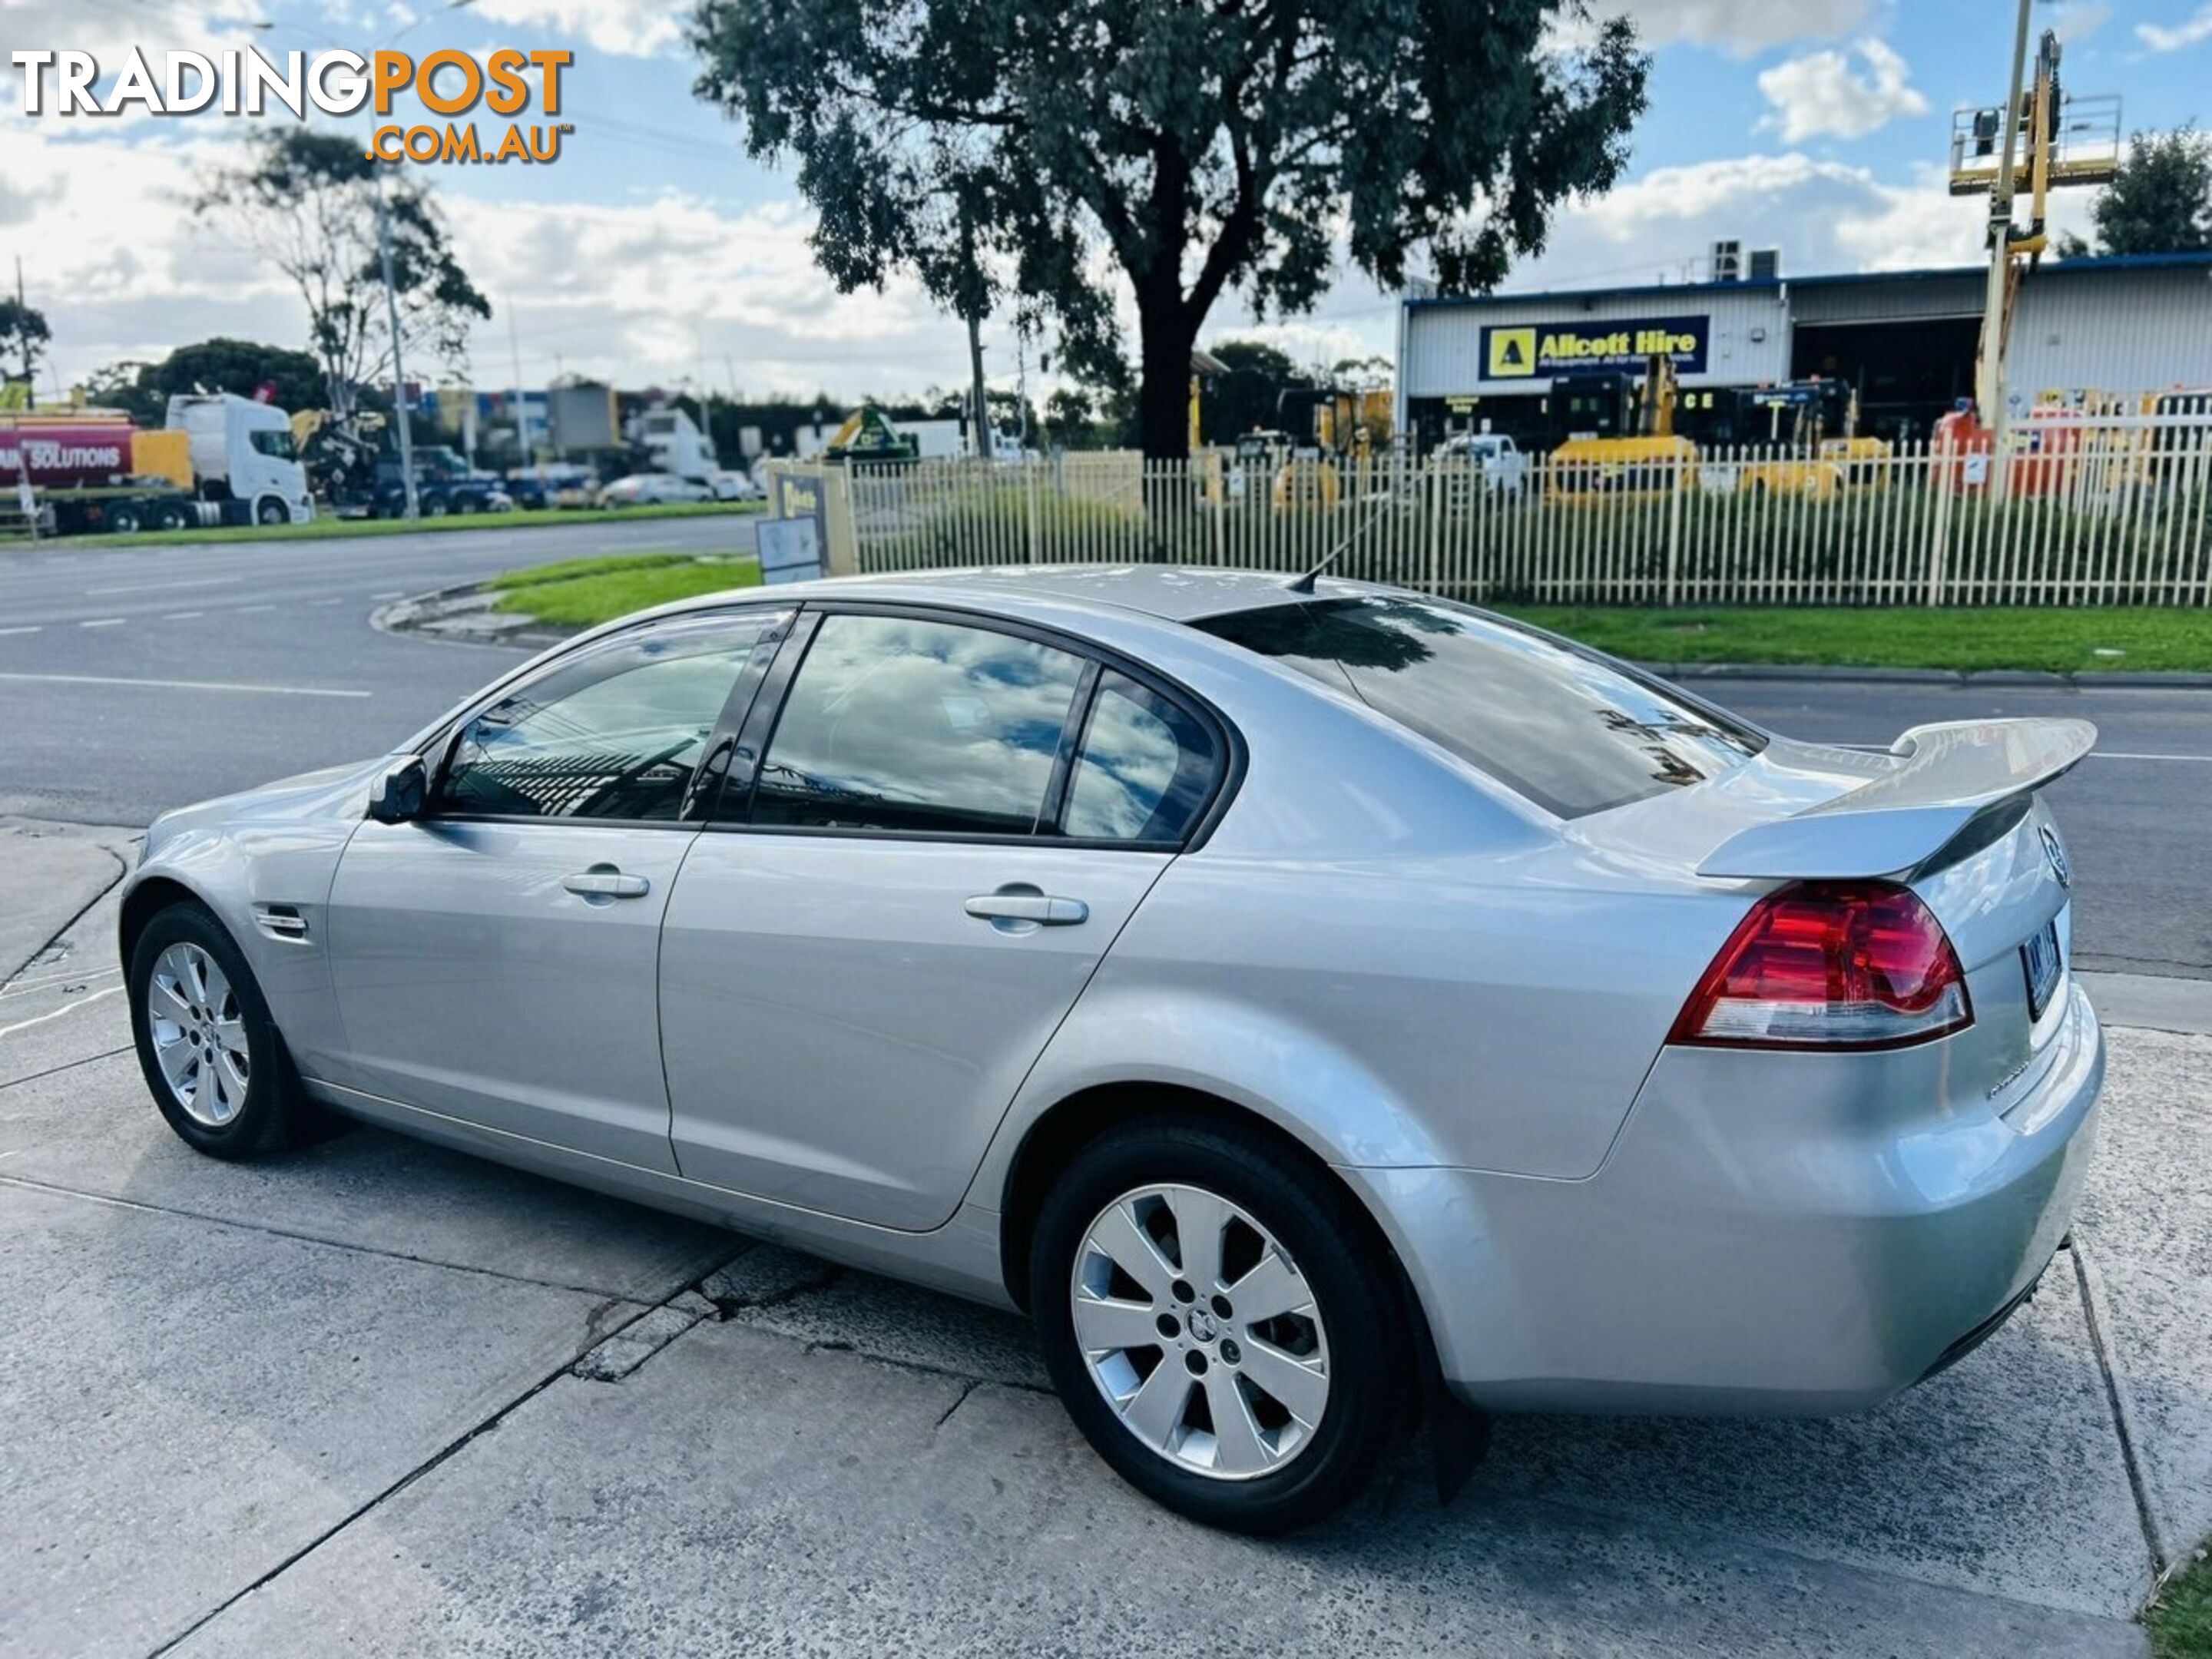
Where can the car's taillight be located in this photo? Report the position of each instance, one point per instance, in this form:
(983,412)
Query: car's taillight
(1858,964)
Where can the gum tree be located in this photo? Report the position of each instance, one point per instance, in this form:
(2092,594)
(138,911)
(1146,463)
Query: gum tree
(1171,151)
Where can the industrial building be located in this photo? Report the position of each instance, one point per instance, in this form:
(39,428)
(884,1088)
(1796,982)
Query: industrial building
(1904,340)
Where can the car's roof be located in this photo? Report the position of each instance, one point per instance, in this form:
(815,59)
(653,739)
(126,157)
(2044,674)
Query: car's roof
(1171,592)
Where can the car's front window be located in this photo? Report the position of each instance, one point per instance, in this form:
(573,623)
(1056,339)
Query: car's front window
(1570,731)
(615,734)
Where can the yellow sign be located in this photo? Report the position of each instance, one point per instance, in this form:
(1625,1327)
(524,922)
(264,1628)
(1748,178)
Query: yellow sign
(1512,353)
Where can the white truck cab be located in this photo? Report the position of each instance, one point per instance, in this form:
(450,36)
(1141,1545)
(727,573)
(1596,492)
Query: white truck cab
(242,452)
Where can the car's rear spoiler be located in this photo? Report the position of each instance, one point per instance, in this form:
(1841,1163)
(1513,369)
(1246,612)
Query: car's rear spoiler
(1947,775)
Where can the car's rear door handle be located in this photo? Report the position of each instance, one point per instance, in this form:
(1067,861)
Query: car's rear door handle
(1039,908)
(604,882)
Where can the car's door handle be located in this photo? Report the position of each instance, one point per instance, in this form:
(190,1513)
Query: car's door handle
(1039,908)
(605,883)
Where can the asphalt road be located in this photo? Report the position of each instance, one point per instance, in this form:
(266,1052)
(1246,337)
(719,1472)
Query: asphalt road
(133,681)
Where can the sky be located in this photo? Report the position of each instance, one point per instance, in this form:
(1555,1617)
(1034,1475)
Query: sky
(655,253)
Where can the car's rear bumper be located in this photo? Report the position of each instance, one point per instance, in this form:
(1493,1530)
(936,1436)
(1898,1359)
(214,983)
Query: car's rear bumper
(1773,1233)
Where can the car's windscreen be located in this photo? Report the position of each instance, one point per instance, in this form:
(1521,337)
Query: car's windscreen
(1568,730)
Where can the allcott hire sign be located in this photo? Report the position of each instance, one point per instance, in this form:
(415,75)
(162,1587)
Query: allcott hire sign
(1524,351)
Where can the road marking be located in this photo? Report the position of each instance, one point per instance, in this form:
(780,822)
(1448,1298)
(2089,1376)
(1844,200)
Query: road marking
(390,593)
(103,622)
(191,685)
(246,610)
(184,615)
(323,602)
(67,1008)
(19,630)
(157,588)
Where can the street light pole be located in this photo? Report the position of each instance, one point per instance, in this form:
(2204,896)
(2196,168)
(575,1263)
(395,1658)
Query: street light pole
(1989,379)
(399,410)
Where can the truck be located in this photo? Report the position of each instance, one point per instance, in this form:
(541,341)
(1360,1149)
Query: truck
(219,459)
(364,482)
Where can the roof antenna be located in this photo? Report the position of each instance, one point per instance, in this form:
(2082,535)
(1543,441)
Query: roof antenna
(1305,584)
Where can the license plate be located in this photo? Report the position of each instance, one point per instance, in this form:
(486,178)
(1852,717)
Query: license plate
(2038,958)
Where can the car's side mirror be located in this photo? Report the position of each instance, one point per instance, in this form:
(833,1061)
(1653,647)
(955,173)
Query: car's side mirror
(401,792)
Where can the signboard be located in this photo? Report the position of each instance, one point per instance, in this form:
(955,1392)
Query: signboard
(801,498)
(790,551)
(1540,350)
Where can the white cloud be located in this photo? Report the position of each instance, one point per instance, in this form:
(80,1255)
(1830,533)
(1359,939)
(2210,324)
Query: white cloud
(1825,215)
(628,28)
(1741,26)
(2159,38)
(642,293)
(1820,94)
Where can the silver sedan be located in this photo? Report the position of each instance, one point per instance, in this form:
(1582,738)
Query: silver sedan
(1317,1005)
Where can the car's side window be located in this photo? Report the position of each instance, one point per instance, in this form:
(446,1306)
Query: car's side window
(904,724)
(1146,770)
(615,734)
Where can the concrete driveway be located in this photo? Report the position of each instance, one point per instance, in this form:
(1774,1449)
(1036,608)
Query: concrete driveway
(375,1397)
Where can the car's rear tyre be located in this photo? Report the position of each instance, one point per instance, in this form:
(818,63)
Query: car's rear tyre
(1222,1321)
(210,1050)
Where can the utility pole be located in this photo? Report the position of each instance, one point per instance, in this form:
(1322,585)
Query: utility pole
(521,398)
(23,335)
(399,409)
(1989,376)
(979,394)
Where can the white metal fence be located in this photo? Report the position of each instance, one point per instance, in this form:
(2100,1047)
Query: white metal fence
(2091,512)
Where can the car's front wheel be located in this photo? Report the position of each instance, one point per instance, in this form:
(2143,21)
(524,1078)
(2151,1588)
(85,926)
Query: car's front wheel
(1222,1322)
(210,1050)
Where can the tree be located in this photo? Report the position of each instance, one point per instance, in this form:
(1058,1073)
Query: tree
(240,367)
(1069,417)
(1197,147)
(307,201)
(23,330)
(2160,200)
(1250,395)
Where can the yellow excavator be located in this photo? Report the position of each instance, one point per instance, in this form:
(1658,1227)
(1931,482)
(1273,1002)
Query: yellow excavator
(1613,434)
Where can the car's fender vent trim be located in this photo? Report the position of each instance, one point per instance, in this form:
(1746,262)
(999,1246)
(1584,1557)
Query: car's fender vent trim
(282,922)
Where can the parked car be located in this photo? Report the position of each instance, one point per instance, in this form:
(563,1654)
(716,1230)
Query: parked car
(733,486)
(1312,1002)
(551,483)
(1491,458)
(646,489)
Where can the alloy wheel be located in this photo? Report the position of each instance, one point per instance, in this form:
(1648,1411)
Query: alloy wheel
(198,1031)
(1200,1331)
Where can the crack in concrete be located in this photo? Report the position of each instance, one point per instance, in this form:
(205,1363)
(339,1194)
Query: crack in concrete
(268,1230)
(122,869)
(2120,1397)
(376,1500)
(960,1399)
(66,1066)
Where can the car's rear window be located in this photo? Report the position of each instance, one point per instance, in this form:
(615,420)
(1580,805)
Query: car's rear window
(1570,731)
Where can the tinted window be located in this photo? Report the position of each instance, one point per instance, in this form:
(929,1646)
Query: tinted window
(902,724)
(1567,729)
(1145,768)
(614,734)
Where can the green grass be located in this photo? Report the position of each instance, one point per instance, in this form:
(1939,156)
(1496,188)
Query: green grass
(2054,638)
(2180,1620)
(581,593)
(324,529)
